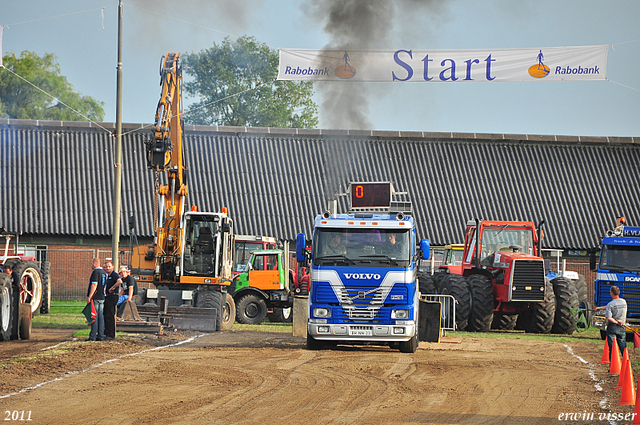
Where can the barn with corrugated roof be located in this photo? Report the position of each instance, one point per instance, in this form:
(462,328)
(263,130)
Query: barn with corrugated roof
(57,179)
(57,182)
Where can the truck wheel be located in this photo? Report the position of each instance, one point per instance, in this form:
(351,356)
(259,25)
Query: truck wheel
(481,314)
(45,307)
(540,318)
(566,299)
(457,286)
(314,344)
(281,315)
(25,321)
(30,284)
(6,315)
(207,298)
(228,312)
(251,309)
(504,321)
(410,346)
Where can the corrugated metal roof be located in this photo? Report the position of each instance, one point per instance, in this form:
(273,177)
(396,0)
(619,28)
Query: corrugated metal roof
(57,178)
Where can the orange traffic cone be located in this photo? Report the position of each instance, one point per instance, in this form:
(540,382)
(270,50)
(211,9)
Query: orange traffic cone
(614,367)
(605,353)
(636,411)
(623,371)
(628,396)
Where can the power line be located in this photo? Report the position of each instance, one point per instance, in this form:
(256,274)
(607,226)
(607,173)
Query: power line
(57,99)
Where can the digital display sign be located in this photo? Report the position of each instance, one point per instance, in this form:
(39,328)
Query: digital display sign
(371,195)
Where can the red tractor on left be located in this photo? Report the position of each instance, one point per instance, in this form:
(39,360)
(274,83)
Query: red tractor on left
(20,301)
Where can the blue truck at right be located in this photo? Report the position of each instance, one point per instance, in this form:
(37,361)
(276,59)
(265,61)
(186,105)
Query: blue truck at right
(619,265)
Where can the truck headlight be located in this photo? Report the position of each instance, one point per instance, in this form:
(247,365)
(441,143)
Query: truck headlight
(321,312)
(399,314)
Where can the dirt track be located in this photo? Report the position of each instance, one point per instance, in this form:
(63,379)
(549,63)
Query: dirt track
(255,377)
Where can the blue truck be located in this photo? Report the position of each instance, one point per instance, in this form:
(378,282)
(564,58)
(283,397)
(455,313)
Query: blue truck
(364,286)
(619,265)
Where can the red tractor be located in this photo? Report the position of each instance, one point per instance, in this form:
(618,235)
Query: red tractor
(19,302)
(503,284)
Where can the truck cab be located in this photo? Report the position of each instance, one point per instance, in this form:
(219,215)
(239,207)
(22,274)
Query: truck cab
(619,265)
(363,273)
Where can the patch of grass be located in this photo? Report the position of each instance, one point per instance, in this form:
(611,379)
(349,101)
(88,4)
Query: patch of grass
(263,327)
(590,335)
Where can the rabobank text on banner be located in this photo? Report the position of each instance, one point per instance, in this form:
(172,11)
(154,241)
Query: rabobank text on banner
(534,64)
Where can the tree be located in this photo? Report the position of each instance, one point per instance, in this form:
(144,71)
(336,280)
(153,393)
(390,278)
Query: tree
(21,100)
(247,67)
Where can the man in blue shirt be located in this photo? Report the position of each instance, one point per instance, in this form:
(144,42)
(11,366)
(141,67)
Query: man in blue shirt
(95,295)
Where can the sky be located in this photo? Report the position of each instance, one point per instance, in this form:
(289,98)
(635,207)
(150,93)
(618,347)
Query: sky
(83,36)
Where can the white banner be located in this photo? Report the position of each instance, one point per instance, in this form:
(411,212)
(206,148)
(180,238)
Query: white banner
(546,64)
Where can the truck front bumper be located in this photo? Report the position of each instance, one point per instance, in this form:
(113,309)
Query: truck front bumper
(403,331)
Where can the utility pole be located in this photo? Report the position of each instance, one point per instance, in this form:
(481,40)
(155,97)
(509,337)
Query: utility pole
(117,194)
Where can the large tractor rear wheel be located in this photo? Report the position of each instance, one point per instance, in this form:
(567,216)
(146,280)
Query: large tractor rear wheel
(481,314)
(30,284)
(439,279)
(251,309)
(6,307)
(540,318)
(425,284)
(566,298)
(45,307)
(581,290)
(457,286)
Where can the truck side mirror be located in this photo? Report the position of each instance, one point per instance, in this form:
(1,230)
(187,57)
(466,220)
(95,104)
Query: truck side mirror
(425,248)
(592,260)
(301,245)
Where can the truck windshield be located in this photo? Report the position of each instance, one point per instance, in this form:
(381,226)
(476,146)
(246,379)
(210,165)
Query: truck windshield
(620,258)
(371,247)
(502,238)
(242,253)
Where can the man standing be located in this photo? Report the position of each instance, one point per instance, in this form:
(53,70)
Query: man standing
(95,295)
(616,314)
(111,300)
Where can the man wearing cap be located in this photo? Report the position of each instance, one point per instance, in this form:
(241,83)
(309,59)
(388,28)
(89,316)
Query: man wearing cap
(129,286)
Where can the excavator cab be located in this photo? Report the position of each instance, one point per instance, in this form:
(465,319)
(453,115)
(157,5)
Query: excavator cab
(207,244)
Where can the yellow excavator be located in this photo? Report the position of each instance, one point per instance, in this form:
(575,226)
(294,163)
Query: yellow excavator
(189,262)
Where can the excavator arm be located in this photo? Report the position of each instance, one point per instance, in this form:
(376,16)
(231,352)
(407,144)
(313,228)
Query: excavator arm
(165,155)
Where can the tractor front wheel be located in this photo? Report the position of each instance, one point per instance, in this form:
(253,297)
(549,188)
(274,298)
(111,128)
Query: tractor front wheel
(566,299)
(540,318)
